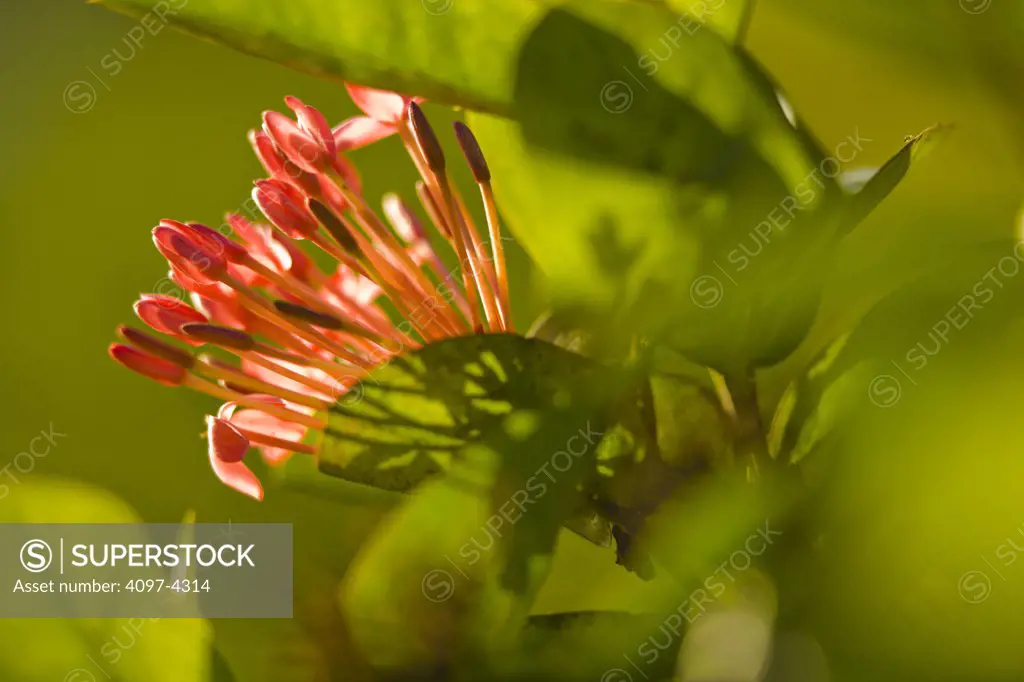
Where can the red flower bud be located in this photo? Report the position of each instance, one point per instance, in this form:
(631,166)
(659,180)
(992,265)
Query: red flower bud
(296,144)
(283,206)
(166,314)
(183,251)
(148,365)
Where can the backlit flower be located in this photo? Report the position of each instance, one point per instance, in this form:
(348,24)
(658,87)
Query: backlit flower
(292,338)
(386,113)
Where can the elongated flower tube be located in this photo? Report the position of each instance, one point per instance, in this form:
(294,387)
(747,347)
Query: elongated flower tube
(288,338)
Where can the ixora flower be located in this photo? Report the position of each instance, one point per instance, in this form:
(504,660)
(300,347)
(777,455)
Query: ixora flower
(303,337)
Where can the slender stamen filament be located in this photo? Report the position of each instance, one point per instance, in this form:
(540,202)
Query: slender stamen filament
(394,282)
(211,389)
(467,264)
(258,438)
(401,218)
(217,370)
(482,174)
(364,323)
(379,273)
(240,342)
(481,262)
(433,211)
(263,361)
(436,216)
(333,368)
(497,252)
(399,256)
(263,309)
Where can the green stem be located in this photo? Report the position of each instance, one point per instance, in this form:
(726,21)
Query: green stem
(751,442)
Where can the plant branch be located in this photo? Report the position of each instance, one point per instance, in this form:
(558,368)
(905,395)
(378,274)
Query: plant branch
(751,442)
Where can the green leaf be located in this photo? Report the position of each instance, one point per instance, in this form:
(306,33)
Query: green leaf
(516,425)
(459,53)
(928,437)
(303,475)
(870,368)
(586,646)
(691,532)
(518,403)
(426,586)
(671,170)
(452,573)
(501,439)
(836,401)
(800,425)
(730,18)
(692,439)
(514,401)
(868,194)
(411,417)
(125,649)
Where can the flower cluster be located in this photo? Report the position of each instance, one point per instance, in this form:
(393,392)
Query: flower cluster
(290,337)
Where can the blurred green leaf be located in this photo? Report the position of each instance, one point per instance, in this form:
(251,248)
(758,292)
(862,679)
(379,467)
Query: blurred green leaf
(220,671)
(449,578)
(913,428)
(126,649)
(827,412)
(425,590)
(954,47)
(692,532)
(673,167)
(673,434)
(586,646)
(303,475)
(877,187)
(870,366)
(519,426)
(730,18)
(800,424)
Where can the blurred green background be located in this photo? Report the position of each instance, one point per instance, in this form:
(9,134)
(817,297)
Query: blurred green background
(83,180)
